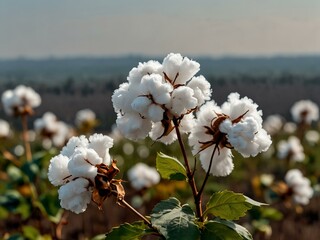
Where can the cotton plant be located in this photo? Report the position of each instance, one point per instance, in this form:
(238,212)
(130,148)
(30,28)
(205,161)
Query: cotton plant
(165,101)
(54,132)
(20,102)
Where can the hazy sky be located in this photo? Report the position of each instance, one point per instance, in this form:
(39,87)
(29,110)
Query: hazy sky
(40,28)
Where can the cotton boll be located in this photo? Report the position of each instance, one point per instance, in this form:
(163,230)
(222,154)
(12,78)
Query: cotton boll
(182,101)
(187,123)
(75,195)
(142,176)
(236,107)
(155,86)
(58,173)
(201,88)
(205,116)
(101,144)
(141,105)
(146,68)
(300,186)
(72,144)
(84,116)
(83,163)
(291,148)
(273,124)
(246,136)
(179,69)
(133,126)
(155,113)
(312,136)
(305,111)
(289,127)
(20,100)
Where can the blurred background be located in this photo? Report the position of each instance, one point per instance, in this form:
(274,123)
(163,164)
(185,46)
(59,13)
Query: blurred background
(76,53)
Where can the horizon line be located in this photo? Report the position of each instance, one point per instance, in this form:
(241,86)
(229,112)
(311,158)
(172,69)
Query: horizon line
(157,56)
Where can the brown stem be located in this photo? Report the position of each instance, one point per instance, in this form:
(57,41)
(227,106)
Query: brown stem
(124,203)
(190,174)
(25,137)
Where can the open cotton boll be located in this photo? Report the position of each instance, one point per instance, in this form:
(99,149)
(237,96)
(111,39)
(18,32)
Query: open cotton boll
(179,69)
(132,126)
(29,96)
(101,144)
(141,105)
(72,144)
(182,101)
(236,106)
(83,163)
(58,172)
(75,195)
(20,100)
(47,123)
(155,86)
(146,68)
(246,136)
(201,88)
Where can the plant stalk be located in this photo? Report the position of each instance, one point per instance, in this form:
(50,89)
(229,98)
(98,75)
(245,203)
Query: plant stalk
(25,137)
(190,175)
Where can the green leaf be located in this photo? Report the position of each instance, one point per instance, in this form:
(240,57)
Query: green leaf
(219,229)
(3,213)
(30,232)
(229,205)
(170,168)
(175,221)
(127,231)
(271,213)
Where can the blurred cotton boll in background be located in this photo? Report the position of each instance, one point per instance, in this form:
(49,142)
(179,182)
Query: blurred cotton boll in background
(291,149)
(300,186)
(273,124)
(4,129)
(20,101)
(85,120)
(312,136)
(142,176)
(49,128)
(289,127)
(305,111)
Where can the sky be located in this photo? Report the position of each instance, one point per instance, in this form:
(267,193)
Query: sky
(67,28)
